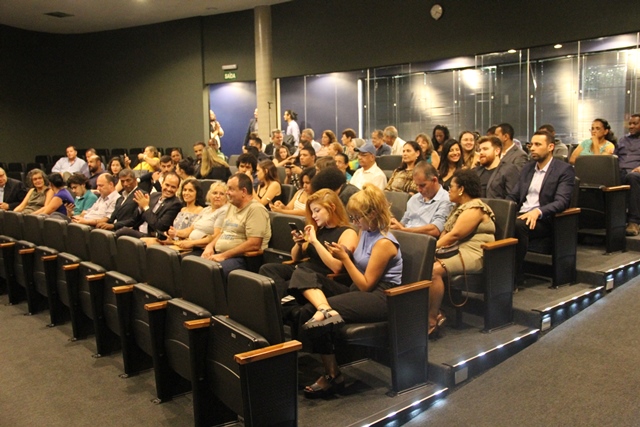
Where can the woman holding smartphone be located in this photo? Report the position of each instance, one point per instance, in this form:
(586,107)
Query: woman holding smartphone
(327,221)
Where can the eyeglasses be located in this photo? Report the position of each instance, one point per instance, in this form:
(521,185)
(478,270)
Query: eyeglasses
(355,218)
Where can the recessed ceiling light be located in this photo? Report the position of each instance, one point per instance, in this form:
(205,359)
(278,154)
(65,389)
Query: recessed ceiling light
(511,51)
(557,46)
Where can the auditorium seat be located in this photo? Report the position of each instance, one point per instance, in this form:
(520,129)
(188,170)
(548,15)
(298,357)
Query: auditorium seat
(240,364)
(163,283)
(24,265)
(281,241)
(12,226)
(202,296)
(398,200)
(389,163)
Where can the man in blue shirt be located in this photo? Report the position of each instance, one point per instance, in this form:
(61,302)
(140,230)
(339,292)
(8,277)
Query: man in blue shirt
(628,152)
(428,209)
(71,164)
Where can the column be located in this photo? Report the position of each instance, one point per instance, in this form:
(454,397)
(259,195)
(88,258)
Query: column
(267,118)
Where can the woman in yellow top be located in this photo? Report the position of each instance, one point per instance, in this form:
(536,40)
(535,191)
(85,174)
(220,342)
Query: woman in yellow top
(599,143)
(148,160)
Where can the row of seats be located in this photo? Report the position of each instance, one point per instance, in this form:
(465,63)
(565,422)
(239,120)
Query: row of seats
(137,299)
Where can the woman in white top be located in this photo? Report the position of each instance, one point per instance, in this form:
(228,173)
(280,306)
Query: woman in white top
(298,202)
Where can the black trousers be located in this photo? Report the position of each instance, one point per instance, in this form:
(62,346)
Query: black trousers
(524,234)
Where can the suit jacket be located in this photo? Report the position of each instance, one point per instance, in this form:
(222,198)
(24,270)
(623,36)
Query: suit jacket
(14,193)
(163,218)
(145,183)
(516,156)
(502,181)
(126,213)
(555,192)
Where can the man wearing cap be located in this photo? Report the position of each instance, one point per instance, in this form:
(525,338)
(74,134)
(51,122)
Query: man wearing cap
(369,171)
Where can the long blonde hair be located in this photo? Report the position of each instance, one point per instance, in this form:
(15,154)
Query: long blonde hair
(329,200)
(372,204)
(210,160)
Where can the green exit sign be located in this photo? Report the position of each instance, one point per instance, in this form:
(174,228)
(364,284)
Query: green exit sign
(230,75)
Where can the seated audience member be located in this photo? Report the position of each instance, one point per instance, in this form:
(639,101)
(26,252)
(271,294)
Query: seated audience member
(269,189)
(470,225)
(511,153)
(327,221)
(306,159)
(335,148)
(628,152)
(61,196)
(159,210)
(207,226)
(496,176)
(349,142)
(212,167)
(377,139)
(246,227)
(543,190)
(104,207)
(256,142)
(115,165)
(147,160)
(307,137)
(560,149)
(193,200)
(176,155)
(84,199)
(598,144)
(272,147)
(334,179)
(342,163)
(282,156)
(428,152)
(247,163)
(392,139)
(428,209)
(95,170)
(469,149)
(126,212)
(369,172)
(374,266)
(439,136)
(185,170)
(325,162)
(215,146)
(12,192)
(328,138)
(450,161)
(152,182)
(296,205)
(198,148)
(402,178)
(71,163)
(38,196)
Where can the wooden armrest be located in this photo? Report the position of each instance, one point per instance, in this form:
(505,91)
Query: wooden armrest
(7,244)
(26,251)
(566,212)
(50,257)
(616,188)
(69,267)
(197,324)
(94,277)
(160,305)
(292,262)
(267,352)
(499,244)
(334,276)
(411,287)
(122,289)
(253,253)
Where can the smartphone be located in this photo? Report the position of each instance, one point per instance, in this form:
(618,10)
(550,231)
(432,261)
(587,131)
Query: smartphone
(294,227)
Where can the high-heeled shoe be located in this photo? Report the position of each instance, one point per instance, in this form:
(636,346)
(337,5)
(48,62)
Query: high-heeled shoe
(334,385)
(434,330)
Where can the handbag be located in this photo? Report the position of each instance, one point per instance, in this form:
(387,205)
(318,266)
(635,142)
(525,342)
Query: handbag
(447,251)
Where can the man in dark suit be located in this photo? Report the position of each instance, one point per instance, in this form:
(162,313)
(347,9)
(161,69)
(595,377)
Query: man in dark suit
(510,153)
(12,192)
(152,182)
(544,189)
(126,212)
(498,177)
(158,210)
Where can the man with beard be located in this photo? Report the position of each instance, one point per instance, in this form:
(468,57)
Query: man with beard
(497,176)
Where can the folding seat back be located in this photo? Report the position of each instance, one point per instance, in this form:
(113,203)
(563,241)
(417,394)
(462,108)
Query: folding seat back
(288,191)
(398,200)
(119,152)
(132,258)
(25,260)
(45,159)
(1,222)
(13,228)
(389,163)
(281,242)
(505,212)
(598,170)
(205,184)
(163,270)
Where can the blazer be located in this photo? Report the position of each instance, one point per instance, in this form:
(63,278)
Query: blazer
(502,180)
(555,192)
(14,193)
(516,157)
(126,213)
(163,218)
(146,185)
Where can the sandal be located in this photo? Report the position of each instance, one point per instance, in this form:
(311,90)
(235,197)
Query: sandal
(320,327)
(315,390)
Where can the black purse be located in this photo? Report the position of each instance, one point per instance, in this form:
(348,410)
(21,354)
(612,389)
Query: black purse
(447,251)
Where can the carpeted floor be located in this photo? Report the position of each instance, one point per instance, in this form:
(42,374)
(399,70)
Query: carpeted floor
(584,372)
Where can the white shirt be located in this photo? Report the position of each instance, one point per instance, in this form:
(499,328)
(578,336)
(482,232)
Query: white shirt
(398,145)
(103,207)
(374,175)
(533,195)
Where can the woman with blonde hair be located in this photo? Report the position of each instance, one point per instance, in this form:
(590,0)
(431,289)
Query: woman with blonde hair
(212,167)
(428,151)
(269,189)
(327,221)
(470,156)
(375,265)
